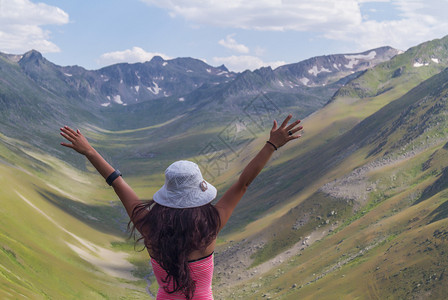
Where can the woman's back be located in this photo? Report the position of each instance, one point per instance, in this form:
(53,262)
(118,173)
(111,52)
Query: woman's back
(201,271)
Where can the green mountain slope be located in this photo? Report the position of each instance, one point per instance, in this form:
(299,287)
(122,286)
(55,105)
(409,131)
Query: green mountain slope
(68,250)
(364,187)
(305,167)
(370,168)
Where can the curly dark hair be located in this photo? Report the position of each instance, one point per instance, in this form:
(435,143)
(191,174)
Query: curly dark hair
(171,234)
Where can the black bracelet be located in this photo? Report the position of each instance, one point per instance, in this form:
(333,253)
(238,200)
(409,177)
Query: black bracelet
(113,176)
(272,145)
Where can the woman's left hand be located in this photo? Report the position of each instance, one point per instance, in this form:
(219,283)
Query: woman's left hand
(78,142)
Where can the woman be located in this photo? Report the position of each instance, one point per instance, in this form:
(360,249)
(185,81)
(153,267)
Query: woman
(180,225)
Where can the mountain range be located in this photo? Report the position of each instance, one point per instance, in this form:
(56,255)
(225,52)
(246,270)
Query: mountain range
(356,208)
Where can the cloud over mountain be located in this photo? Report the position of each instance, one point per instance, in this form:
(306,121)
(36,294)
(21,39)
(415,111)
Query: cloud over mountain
(230,43)
(136,54)
(21,26)
(346,20)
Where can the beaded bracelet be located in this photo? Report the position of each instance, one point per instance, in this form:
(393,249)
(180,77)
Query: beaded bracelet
(272,145)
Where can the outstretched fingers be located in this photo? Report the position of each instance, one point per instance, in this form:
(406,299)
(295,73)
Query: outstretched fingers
(295,130)
(274,126)
(285,122)
(69,132)
(292,125)
(67,137)
(67,145)
(70,135)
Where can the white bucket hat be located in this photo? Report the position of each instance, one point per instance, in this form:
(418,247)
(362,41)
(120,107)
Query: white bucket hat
(184,187)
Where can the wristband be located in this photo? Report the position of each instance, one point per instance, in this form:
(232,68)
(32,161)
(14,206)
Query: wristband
(272,145)
(115,174)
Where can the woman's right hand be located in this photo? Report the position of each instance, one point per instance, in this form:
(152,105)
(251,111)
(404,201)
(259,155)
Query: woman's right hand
(78,142)
(283,134)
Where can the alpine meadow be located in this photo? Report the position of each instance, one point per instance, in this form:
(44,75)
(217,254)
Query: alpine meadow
(356,209)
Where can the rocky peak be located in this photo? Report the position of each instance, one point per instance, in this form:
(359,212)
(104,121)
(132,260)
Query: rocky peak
(32,57)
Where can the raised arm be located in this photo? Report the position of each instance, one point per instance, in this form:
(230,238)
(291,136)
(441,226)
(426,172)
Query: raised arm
(278,137)
(79,143)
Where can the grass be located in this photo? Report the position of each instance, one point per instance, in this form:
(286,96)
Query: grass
(53,205)
(388,217)
(392,268)
(319,207)
(29,240)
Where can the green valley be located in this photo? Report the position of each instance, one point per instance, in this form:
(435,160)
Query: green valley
(355,209)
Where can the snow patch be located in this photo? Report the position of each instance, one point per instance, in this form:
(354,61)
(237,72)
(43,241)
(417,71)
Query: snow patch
(105,104)
(136,74)
(117,99)
(436,60)
(68,74)
(222,73)
(108,98)
(335,66)
(137,88)
(418,65)
(121,80)
(189,71)
(369,56)
(155,90)
(354,59)
(164,64)
(314,71)
(165,94)
(281,83)
(209,70)
(181,99)
(304,80)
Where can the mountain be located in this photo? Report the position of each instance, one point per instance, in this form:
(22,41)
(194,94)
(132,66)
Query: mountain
(375,231)
(38,94)
(132,83)
(356,208)
(322,70)
(367,177)
(124,83)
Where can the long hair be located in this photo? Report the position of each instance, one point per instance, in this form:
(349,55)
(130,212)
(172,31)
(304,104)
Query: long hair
(171,234)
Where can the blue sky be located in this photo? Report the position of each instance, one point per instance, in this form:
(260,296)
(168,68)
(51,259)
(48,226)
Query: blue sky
(242,34)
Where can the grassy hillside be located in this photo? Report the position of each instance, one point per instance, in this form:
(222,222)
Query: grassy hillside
(332,136)
(56,241)
(395,248)
(378,152)
(367,180)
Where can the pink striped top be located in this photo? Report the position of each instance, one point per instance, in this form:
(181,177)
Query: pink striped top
(201,272)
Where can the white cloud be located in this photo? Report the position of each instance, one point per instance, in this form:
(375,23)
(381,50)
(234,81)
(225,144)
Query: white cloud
(245,62)
(21,24)
(264,14)
(410,22)
(230,43)
(134,55)
(418,21)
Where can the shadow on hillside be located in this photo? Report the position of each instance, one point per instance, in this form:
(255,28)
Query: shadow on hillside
(439,213)
(109,218)
(439,185)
